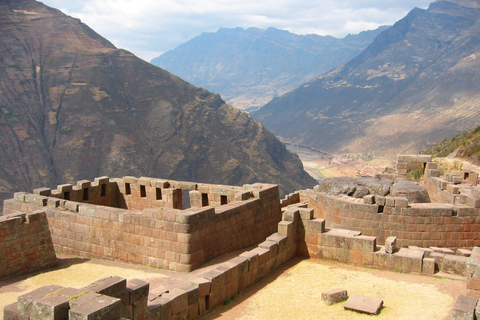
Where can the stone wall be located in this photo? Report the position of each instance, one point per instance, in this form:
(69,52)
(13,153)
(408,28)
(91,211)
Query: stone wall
(453,188)
(408,163)
(114,297)
(299,233)
(25,243)
(351,247)
(158,236)
(415,224)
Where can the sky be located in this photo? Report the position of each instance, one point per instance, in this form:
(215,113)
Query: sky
(149,28)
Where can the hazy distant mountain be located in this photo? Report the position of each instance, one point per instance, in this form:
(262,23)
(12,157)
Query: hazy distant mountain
(250,67)
(415,85)
(74,107)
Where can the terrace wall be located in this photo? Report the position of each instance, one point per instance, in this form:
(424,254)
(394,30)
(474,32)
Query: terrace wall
(25,243)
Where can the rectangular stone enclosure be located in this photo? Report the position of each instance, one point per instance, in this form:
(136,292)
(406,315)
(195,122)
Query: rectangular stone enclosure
(141,220)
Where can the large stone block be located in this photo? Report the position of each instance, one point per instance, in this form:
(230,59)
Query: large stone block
(363,304)
(100,308)
(454,264)
(465,307)
(179,300)
(334,296)
(204,286)
(137,289)
(26,301)
(110,286)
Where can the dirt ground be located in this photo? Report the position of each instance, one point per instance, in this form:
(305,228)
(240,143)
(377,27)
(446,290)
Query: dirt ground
(291,292)
(294,292)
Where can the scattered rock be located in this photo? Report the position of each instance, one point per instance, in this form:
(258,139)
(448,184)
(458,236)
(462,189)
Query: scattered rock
(356,187)
(334,296)
(363,304)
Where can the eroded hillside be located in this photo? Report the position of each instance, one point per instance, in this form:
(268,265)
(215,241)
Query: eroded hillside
(74,107)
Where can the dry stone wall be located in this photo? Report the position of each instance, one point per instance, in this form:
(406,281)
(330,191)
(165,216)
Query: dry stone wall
(455,224)
(25,243)
(115,298)
(157,236)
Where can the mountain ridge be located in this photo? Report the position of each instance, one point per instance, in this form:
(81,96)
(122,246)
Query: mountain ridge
(413,86)
(74,107)
(251,66)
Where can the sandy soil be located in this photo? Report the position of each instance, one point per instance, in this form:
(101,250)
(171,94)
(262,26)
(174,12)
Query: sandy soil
(294,292)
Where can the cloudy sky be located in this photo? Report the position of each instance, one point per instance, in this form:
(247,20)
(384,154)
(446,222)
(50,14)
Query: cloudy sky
(150,27)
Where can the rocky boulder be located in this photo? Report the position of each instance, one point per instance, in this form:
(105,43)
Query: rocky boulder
(412,191)
(355,187)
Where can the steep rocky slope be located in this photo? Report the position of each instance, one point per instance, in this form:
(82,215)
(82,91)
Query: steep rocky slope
(414,86)
(465,146)
(250,67)
(74,107)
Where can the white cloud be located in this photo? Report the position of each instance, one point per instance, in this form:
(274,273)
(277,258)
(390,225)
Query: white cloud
(150,27)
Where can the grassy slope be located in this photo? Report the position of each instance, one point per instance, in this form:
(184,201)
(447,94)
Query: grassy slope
(468,145)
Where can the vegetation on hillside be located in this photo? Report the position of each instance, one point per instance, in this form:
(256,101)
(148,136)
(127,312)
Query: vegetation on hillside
(466,146)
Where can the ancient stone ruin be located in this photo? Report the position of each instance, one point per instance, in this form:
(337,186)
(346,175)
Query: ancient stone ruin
(377,222)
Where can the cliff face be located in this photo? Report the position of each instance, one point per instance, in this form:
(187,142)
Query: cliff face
(74,107)
(415,85)
(249,67)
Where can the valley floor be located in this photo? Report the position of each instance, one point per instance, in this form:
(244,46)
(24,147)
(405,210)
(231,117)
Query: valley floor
(322,165)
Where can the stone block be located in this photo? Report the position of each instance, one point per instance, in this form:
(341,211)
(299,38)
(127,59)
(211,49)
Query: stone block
(454,264)
(434,173)
(334,296)
(391,245)
(465,307)
(290,215)
(401,202)
(414,158)
(305,214)
(389,202)
(160,308)
(218,289)
(179,300)
(137,289)
(463,252)
(473,284)
(101,180)
(363,304)
(285,228)
(369,199)
(472,202)
(100,308)
(25,302)
(202,305)
(110,286)
(204,286)
(476,192)
(380,200)
(10,312)
(42,191)
(428,266)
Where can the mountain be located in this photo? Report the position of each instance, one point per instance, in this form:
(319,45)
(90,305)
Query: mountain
(250,67)
(415,85)
(74,107)
(465,146)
